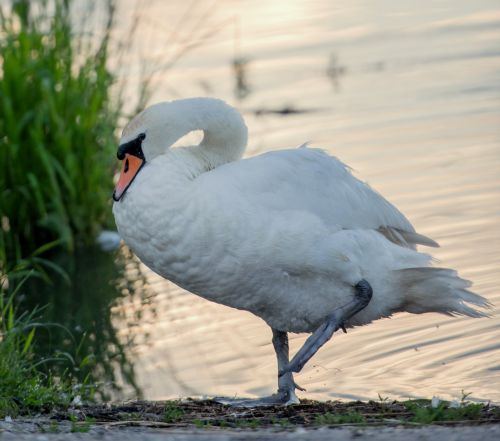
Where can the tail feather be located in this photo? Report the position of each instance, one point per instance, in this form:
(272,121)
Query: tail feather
(441,290)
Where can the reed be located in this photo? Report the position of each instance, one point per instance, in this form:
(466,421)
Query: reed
(58,112)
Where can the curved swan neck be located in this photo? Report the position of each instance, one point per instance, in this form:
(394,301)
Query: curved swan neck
(224,131)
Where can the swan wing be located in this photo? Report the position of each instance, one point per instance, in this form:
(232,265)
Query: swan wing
(309,180)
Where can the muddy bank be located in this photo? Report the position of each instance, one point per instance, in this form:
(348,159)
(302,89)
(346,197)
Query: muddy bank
(184,417)
(309,414)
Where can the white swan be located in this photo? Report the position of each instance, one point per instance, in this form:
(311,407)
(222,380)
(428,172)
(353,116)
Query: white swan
(290,236)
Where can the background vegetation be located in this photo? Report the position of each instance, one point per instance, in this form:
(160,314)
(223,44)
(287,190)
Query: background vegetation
(59,108)
(57,120)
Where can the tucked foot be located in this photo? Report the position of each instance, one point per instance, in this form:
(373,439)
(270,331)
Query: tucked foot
(362,296)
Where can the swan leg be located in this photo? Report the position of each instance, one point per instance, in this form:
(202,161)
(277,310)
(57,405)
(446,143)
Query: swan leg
(286,385)
(362,296)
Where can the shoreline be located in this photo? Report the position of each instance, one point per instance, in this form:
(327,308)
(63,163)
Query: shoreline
(190,419)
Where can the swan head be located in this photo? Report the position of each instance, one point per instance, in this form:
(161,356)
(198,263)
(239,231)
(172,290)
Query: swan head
(153,131)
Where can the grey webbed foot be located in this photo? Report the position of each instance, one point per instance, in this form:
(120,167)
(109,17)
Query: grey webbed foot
(284,397)
(362,296)
(281,398)
(286,385)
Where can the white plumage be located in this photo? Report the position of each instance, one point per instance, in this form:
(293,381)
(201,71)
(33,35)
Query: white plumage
(285,235)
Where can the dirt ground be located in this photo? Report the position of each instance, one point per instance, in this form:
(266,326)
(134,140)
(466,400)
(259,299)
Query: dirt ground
(188,420)
(308,414)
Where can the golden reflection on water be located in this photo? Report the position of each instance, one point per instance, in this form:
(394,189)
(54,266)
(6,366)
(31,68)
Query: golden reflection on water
(414,108)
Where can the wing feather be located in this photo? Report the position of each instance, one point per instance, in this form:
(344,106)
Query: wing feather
(310,180)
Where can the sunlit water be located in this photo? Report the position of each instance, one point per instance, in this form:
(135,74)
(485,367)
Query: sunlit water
(406,93)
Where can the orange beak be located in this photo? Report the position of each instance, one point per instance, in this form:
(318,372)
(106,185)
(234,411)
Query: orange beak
(131,166)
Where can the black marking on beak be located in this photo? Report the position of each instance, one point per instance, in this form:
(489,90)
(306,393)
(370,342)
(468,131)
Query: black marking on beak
(133,147)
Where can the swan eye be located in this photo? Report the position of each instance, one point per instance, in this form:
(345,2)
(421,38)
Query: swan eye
(133,147)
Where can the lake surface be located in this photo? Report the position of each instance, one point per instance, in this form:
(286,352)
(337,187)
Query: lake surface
(407,94)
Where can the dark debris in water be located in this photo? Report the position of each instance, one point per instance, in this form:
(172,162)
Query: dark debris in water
(190,413)
(284,111)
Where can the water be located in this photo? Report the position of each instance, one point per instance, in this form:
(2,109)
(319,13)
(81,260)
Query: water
(408,94)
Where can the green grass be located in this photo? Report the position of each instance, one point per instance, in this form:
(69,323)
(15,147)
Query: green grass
(57,120)
(54,427)
(78,426)
(424,413)
(24,389)
(201,424)
(172,413)
(282,422)
(328,418)
(252,423)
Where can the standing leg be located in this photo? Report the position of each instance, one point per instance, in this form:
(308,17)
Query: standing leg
(286,385)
